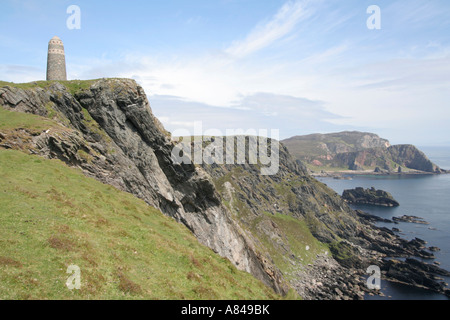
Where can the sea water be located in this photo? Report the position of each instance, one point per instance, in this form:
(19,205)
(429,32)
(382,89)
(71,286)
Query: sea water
(425,196)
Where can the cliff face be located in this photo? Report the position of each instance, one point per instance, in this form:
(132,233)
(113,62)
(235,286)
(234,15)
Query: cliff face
(110,133)
(294,220)
(319,244)
(411,157)
(287,229)
(357,151)
(326,146)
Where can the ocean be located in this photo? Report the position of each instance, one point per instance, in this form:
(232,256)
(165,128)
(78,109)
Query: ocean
(425,196)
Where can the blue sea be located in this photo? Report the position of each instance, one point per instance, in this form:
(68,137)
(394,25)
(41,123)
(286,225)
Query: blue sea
(425,196)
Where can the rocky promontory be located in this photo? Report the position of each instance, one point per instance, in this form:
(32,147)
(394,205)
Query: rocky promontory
(369,196)
(358,152)
(288,230)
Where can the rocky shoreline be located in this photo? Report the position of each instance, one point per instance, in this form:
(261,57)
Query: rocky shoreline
(328,280)
(332,278)
(400,262)
(346,174)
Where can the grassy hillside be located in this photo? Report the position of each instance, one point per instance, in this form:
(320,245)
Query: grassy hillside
(10,120)
(318,145)
(52,216)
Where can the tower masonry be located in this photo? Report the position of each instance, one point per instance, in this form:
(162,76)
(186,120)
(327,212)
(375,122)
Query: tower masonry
(56,60)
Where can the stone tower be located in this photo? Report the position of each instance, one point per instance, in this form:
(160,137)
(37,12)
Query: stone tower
(56,61)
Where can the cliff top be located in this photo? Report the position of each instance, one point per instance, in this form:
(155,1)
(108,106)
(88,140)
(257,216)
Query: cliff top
(73,86)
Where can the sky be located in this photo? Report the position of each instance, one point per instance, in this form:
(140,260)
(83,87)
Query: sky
(299,67)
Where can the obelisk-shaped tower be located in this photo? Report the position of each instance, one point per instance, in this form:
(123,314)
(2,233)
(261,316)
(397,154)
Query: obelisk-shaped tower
(56,61)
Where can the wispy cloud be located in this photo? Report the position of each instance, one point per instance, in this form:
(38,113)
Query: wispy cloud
(309,66)
(417,13)
(405,74)
(257,111)
(263,35)
(20,73)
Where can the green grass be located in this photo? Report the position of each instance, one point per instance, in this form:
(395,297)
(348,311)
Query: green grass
(29,85)
(73,86)
(10,120)
(52,216)
(299,238)
(301,148)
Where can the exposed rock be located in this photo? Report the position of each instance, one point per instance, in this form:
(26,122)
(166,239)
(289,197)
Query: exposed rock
(327,280)
(381,171)
(369,196)
(112,136)
(411,157)
(373,218)
(358,150)
(416,273)
(410,219)
(355,167)
(108,131)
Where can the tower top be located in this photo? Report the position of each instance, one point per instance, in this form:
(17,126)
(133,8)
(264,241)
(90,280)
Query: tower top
(56,61)
(55,38)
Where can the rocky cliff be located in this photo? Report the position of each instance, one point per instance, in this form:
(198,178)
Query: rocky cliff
(357,151)
(108,131)
(410,157)
(287,229)
(318,243)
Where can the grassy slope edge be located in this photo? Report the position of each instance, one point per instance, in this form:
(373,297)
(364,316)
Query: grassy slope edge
(52,216)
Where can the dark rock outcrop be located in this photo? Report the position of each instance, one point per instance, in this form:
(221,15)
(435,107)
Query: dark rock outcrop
(372,218)
(369,196)
(411,157)
(410,219)
(416,273)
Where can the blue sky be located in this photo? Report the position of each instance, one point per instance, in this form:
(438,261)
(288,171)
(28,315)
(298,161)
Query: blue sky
(298,66)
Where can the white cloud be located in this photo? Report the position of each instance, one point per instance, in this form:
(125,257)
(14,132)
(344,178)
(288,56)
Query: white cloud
(217,78)
(291,115)
(266,34)
(21,74)
(315,82)
(407,94)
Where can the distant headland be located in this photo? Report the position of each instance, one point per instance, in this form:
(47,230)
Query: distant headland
(354,152)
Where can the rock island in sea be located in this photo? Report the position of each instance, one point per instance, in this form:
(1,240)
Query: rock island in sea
(369,196)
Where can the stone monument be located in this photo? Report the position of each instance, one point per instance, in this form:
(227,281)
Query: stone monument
(56,60)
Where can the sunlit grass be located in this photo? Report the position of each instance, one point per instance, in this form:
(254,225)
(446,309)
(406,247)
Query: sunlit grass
(52,216)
